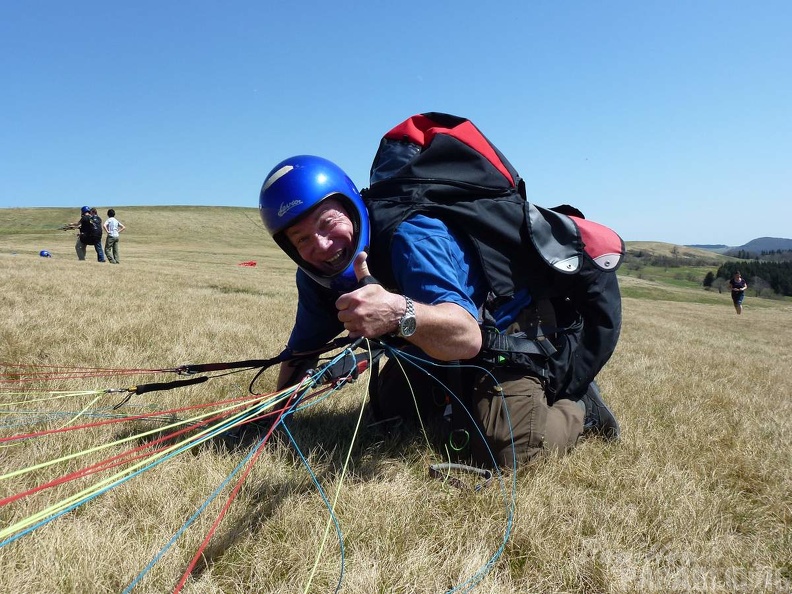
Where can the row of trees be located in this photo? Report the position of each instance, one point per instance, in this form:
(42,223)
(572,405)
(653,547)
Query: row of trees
(765,255)
(761,276)
(777,255)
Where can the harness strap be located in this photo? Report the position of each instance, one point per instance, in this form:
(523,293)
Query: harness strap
(494,341)
(517,350)
(285,355)
(155,387)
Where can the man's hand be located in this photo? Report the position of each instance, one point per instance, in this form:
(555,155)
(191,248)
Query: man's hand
(369,311)
(445,331)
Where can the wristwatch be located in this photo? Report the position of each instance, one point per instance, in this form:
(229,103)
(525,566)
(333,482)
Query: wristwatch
(407,322)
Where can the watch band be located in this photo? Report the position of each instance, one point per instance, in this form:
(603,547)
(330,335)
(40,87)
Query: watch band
(407,323)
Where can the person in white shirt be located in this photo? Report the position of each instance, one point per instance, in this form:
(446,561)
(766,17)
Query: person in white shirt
(113,227)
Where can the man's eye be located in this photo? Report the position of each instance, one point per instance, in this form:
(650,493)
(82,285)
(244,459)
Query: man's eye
(297,239)
(328,222)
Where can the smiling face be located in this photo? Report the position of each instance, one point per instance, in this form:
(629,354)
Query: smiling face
(324,238)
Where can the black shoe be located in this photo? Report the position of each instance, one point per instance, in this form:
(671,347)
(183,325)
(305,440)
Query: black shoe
(599,419)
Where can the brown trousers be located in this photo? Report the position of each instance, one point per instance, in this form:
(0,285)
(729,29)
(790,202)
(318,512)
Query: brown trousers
(505,406)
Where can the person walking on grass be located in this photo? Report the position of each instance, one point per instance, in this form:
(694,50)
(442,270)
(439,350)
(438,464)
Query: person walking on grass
(446,295)
(113,227)
(738,287)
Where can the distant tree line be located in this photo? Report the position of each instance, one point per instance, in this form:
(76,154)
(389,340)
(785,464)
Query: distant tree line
(744,255)
(777,255)
(761,275)
(770,255)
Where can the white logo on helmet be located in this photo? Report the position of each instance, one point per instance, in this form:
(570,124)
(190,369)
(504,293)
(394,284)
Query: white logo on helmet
(277,175)
(284,208)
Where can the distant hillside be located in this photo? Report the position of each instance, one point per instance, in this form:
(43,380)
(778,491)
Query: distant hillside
(672,254)
(752,249)
(756,247)
(718,248)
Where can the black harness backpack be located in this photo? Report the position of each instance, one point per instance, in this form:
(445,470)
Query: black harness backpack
(442,166)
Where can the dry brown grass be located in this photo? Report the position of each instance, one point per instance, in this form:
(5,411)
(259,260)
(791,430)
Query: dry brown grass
(696,496)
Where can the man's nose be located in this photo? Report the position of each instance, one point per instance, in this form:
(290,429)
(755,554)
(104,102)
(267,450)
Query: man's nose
(321,241)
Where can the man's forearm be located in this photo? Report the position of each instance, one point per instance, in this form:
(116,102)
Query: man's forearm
(446,332)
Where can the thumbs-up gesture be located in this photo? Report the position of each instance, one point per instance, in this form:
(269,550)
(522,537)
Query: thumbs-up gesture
(362,272)
(369,310)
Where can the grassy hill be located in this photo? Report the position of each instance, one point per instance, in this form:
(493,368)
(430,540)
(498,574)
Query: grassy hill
(222,234)
(672,266)
(695,497)
(679,253)
(191,229)
(764,244)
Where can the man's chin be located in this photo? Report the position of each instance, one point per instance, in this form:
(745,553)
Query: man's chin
(334,270)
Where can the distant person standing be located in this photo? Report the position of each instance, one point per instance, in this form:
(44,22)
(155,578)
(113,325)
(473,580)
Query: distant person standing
(113,228)
(90,233)
(738,287)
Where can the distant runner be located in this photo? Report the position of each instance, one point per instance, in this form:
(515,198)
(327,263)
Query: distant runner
(738,286)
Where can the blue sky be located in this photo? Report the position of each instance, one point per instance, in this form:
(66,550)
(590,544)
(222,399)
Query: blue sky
(666,120)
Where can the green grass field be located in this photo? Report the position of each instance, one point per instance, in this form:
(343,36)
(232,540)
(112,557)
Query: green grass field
(694,498)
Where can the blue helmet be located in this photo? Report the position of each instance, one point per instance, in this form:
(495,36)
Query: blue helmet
(292,189)
(85,209)
(45,254)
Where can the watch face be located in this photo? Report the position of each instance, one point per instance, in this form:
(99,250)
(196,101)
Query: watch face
(407,327)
